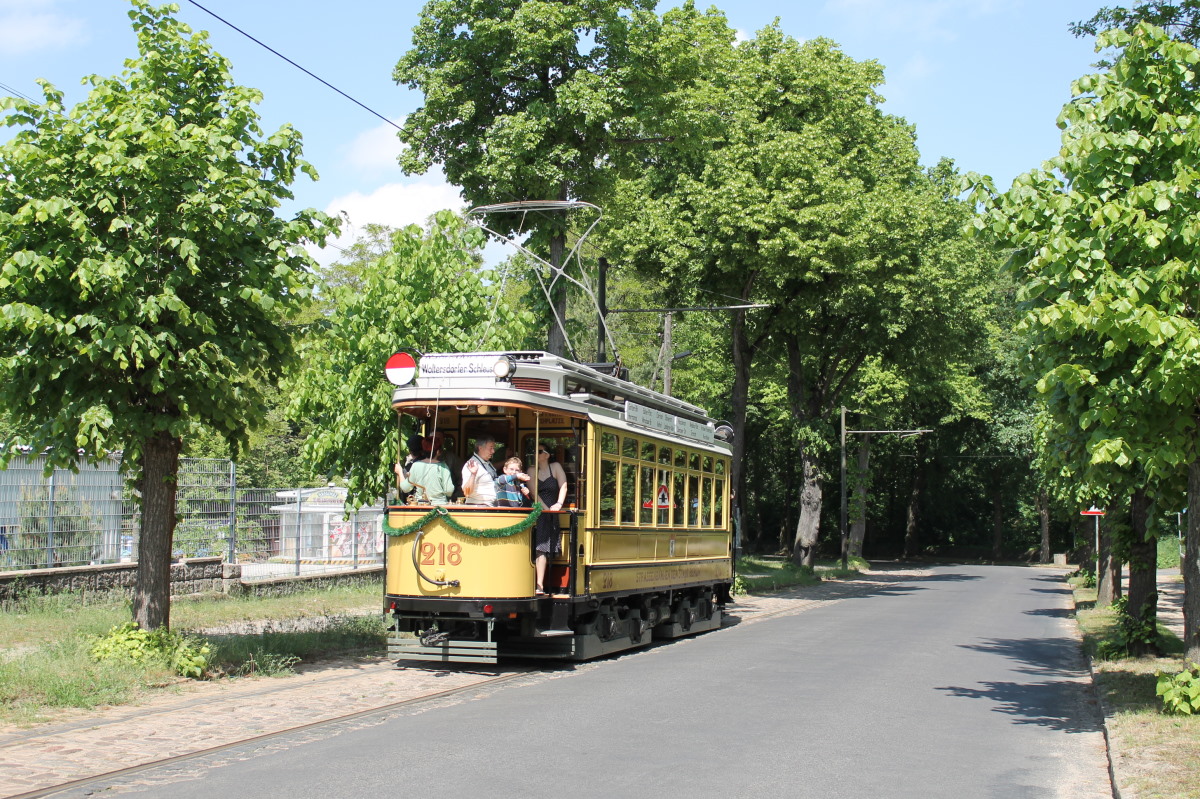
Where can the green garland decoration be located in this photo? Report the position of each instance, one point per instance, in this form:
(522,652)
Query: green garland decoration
(454,524)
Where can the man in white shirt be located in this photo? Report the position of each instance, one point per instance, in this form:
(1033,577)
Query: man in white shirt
(478,474)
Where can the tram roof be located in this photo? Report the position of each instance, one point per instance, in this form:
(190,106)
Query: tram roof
(555,382)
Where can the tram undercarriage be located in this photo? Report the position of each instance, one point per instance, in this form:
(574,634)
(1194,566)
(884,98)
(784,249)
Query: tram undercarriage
(559,627)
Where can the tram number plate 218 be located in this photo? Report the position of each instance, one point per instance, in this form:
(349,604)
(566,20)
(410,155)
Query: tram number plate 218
(440,554)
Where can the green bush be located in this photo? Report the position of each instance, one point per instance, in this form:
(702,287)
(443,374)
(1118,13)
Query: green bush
(1129,635)
(1168,552)
(1082,578)
(184,656)
(1180,692)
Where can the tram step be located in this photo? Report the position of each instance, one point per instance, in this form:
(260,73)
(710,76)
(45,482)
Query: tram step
(450,651)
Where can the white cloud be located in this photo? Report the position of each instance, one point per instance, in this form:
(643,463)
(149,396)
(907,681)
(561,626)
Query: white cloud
(375,149)
(27,26)
(395,204)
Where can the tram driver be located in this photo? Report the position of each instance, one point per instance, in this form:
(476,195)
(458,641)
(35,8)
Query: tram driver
(479,475)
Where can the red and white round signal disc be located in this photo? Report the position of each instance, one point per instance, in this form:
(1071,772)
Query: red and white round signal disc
(400,369)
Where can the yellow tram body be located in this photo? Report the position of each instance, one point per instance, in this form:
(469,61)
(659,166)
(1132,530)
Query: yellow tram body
(647,545)
(479,567)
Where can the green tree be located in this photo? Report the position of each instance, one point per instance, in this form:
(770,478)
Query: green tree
(548,100)
(146,277)
(1107,243)
(429,293)
(807,198)
(1181,20)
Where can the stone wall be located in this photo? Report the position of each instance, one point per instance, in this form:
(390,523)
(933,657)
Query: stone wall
(190,576)
(283,586)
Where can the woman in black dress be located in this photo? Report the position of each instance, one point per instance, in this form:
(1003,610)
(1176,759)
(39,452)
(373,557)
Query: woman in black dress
(552,491)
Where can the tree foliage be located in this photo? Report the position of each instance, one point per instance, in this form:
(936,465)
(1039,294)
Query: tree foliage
(146,277)
(1107,246)
(807,198)
(547,100)
(429,293)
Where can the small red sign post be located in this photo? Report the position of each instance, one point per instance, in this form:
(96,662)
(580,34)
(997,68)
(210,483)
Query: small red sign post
(1096,513)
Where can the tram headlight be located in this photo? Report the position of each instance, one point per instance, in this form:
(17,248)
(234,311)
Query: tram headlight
(503,368)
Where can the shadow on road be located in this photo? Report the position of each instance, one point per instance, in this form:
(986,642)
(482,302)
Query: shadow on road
(1053,704)
(1046,657)
(1054,613)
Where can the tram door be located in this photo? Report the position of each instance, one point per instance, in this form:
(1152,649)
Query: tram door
(563,444)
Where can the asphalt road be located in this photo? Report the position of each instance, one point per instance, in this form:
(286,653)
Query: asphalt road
(966,683)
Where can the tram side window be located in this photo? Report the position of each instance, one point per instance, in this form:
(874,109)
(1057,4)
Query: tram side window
(646,514)
(628,492)
(719,504)
(664,509)
(678,500)
(693,500)
(608,491)
(706,502)
(608,443)
(629,447)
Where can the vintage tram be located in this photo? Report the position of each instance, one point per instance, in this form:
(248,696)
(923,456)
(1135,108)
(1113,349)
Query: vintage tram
(645,530)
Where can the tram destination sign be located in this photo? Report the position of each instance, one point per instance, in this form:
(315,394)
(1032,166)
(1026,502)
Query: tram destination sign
(668,423)
(458,365)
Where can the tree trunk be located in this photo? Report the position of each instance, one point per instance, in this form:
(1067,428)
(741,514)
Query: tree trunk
(858,527)
(742,357)
(1043,512)
(912,516)
(808,527)
(1106,588)
(160,471)
(1143,568)
(1191,568)
(997,515)
(556,343)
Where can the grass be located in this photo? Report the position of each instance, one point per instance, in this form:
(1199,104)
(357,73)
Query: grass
(31,620)
(45,663)
(1154,755)
(765,573)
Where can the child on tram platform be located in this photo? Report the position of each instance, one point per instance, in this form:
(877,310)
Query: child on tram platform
(510,489)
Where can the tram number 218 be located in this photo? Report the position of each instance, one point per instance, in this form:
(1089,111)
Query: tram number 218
(445,554)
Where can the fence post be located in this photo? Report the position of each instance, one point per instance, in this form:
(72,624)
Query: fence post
(50,522)
(299,524)
(232,513)
(354,537)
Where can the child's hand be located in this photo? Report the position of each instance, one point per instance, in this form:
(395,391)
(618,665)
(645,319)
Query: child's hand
(522,476)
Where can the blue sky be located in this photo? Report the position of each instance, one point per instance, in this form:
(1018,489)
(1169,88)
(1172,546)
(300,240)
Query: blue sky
(981,80)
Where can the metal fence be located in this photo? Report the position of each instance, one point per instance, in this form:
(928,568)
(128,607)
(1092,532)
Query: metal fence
(91,516)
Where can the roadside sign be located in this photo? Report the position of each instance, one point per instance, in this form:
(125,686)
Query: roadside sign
(1092,511)
(664,499)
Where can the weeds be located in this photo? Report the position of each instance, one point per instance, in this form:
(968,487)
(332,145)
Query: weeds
(183,655)
(1180,693)
(757,574)
(47,662)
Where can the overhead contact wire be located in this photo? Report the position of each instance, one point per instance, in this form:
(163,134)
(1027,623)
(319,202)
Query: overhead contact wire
(297,66)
